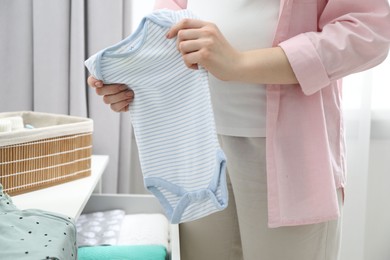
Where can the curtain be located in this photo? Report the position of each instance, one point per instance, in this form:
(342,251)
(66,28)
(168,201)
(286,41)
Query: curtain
(366,227)
(43,44)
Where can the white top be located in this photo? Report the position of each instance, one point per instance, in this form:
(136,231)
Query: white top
(240,108)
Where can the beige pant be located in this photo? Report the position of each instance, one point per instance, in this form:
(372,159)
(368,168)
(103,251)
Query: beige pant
(217,237)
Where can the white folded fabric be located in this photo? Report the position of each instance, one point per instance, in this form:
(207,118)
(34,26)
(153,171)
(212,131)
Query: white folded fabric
(16,122)
(44,125)
(5,125)
(144,229)
(13,123)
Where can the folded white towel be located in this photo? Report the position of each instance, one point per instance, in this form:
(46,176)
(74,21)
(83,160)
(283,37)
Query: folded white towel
(16,122)
(9,124)
(5,125)
(144,229)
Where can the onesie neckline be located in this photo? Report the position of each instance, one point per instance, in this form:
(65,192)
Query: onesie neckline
(142,28)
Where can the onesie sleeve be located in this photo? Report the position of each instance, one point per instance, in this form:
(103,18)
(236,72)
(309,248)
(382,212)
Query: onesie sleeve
(353,35)
(92,64)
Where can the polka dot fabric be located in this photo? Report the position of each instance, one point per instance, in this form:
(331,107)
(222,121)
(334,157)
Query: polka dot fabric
(34,234)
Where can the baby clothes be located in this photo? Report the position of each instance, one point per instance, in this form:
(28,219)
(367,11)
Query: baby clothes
(34,234)
(181,160)
(144,229)
(13,123)
(99,228)
(123,252)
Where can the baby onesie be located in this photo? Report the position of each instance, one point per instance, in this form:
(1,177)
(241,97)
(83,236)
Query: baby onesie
(34,234)
(181,160)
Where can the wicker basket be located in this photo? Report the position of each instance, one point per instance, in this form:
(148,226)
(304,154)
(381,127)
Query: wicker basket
(58,149)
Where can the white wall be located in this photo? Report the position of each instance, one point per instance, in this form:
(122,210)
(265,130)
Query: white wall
(141,8)
(366,225)
(377,235)
(366,221)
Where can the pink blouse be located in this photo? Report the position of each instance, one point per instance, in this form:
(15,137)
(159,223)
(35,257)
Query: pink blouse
(324,40)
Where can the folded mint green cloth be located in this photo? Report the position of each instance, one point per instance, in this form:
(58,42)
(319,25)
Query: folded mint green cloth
(135,252)
(34,234)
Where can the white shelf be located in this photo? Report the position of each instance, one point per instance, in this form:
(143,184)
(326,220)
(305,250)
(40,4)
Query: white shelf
(67,198)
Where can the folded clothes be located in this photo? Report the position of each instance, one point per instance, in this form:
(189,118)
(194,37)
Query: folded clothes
(5,125)
(144,229)
(34,234)
(99,228)
(140,252)
(8,124)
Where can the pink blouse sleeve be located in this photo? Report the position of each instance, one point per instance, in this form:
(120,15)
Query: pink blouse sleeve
(170,4)
(351,36)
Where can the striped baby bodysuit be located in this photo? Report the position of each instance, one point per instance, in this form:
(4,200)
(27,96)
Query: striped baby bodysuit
(181,160)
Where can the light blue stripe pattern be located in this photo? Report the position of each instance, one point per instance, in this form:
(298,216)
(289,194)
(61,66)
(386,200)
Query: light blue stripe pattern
(181,160)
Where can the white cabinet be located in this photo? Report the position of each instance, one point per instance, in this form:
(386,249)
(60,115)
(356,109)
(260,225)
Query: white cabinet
(67,198)
(74,197)
(135,204)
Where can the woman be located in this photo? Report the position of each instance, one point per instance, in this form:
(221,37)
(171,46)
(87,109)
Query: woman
(275,80)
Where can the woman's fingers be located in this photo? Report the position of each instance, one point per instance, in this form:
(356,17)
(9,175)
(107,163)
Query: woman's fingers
(184,24)
(111,89)
(118,96)
(192,59)
(127,95)
(93,82)
(202,43)
(121,106)
(105,89)
(191,38)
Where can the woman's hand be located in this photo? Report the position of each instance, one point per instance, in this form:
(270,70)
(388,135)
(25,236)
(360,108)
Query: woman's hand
(202,43)
(118,96)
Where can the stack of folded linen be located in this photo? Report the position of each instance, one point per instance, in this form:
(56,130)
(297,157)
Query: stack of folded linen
(99,228)
(114,235)
(145,252)
(10,124)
